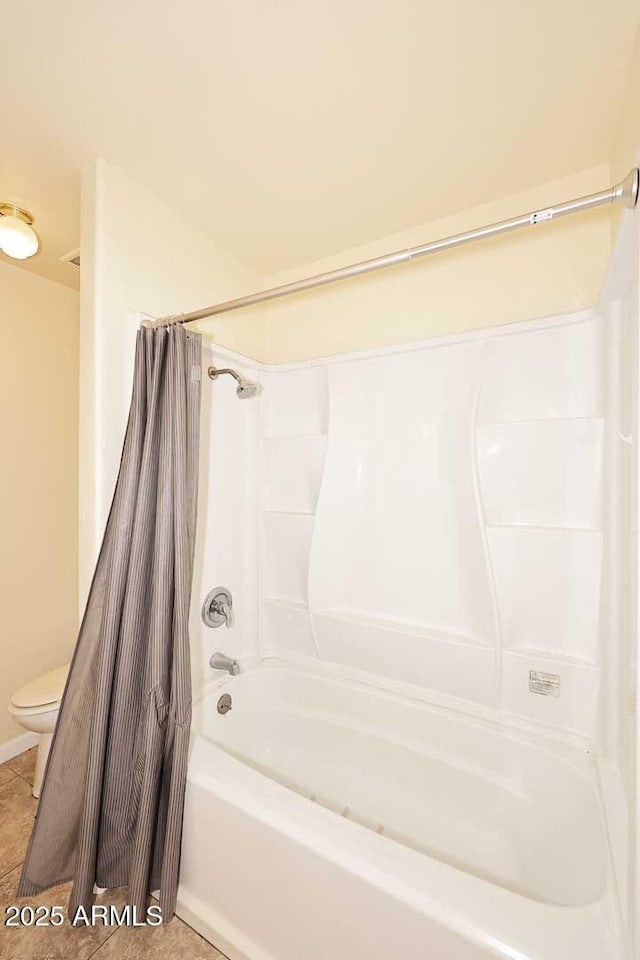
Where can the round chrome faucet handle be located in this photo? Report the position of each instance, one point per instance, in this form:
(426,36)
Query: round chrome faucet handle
(217,608)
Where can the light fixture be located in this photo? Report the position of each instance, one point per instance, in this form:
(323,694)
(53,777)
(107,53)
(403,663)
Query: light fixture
(17,238)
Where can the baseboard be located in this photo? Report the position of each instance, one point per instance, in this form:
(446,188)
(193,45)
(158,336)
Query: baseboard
(12,748)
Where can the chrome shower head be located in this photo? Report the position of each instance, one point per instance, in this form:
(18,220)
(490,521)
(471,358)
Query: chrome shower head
(245,389)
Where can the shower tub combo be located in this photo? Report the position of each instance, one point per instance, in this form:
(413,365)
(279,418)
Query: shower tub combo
(328,818)
(426,550)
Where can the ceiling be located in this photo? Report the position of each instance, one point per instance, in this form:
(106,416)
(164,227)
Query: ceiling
(293,129)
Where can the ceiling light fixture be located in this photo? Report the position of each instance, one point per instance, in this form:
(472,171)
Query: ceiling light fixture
(17,238)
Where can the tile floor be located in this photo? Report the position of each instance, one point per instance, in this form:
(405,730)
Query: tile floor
(173,941)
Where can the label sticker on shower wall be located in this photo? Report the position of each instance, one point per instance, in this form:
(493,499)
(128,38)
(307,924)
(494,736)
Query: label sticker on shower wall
(547,684)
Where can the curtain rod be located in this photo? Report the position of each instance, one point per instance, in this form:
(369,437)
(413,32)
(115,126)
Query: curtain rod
(625,192)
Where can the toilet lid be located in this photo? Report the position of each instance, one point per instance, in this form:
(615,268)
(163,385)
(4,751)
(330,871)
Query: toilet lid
(47,688)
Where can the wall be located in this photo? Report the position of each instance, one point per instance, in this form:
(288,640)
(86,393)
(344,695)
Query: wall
(138,256)
(625,150)
(440,515)
(38,480)
(227,533)
(554,268)
(625,153)
(141,257)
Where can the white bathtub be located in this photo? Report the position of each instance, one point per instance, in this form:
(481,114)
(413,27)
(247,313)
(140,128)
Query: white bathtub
(328,819)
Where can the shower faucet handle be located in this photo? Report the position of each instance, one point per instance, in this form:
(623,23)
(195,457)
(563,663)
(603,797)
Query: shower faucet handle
(225,609)
(217,608)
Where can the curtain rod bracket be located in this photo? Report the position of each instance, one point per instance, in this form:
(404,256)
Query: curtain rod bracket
(626,192)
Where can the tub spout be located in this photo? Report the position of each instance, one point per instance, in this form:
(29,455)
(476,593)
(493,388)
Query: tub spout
(220,661)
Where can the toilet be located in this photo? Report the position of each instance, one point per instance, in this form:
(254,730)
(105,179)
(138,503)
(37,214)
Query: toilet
(35,706)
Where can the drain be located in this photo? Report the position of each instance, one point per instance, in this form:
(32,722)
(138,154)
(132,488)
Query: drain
(224,703)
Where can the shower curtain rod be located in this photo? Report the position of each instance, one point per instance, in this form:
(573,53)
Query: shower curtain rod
(625,192)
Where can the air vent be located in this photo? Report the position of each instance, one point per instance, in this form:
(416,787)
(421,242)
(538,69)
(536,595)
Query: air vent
(72,257)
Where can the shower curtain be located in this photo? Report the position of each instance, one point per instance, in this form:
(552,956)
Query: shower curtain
(111,806)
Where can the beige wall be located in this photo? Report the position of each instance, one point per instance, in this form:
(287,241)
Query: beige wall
(553,268)
(625,151)
(38,479)
(626,145)
(138,256)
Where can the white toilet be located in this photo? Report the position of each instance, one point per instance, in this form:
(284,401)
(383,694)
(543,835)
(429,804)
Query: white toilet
(35,706)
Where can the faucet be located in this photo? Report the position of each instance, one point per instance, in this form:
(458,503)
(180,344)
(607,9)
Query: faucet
(220,661)
(223,608)
(217,608)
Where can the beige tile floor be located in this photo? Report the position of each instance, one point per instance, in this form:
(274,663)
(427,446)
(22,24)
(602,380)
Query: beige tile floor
(172,941)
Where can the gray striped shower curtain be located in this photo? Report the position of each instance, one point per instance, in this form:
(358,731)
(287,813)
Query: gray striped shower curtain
(111,806)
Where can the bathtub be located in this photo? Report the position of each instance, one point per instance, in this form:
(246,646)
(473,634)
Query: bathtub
(327,818)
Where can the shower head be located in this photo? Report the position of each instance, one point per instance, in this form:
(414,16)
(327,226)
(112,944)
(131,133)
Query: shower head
(245,389)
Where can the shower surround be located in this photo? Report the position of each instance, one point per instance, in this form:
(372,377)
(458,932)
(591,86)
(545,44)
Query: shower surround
(429,552)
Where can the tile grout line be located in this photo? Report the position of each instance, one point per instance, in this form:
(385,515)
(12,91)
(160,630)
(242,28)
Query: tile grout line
(101,945)
(8,763)
(15,773)
(18,776)
(24,779)
(16,866)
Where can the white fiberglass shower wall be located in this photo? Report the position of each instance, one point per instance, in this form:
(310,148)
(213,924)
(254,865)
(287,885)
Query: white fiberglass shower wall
(436,515)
